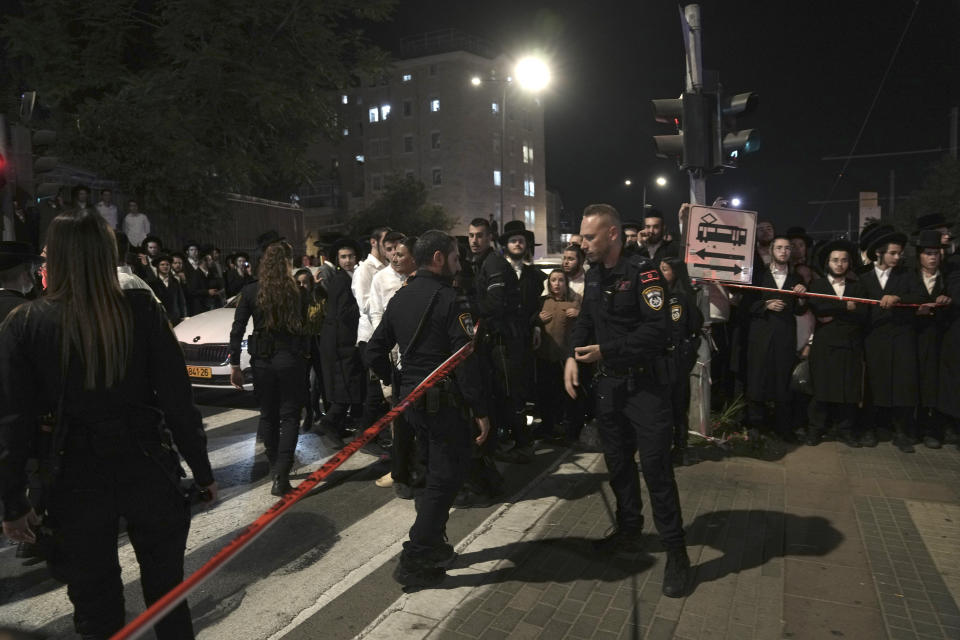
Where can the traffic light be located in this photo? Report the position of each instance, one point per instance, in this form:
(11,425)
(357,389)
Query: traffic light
(730,142)
(692,114)
(33,168)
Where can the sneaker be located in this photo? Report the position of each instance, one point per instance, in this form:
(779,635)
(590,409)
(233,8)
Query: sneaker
(620,542)
(869,438)
(931,442)
(403,491)
(385,481)
(676,573)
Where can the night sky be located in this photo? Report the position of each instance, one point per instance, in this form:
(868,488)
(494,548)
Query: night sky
(815,64)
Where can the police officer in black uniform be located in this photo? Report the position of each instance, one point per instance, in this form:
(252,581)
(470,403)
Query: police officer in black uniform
(279,350)
(429,322)
(624,327)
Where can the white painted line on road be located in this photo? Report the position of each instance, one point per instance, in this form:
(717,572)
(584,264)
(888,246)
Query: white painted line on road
(227,418)
(507,525)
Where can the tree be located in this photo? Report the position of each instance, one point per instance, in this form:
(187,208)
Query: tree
(939,193)
(183,100)
(404,207)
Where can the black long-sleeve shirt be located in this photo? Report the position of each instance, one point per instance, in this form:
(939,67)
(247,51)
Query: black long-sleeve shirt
(625,311)
(448,326)
(30,386)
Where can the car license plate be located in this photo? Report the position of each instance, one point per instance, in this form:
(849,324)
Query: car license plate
(199,372)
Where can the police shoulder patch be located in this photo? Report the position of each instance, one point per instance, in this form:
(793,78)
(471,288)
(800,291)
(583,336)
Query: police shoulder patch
(675,312)
(466,323)
(653,296)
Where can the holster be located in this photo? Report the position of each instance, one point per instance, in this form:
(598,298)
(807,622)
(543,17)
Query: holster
(261,344)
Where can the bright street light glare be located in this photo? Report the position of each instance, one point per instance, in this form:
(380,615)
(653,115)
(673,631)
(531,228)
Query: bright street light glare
(475,81)
(532,74)
(628,182)
(735,202)
(661,181)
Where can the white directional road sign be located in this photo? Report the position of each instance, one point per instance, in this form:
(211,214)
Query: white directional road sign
(719,243)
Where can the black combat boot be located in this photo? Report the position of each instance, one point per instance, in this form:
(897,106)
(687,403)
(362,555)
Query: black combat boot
(676,573)
(281,480)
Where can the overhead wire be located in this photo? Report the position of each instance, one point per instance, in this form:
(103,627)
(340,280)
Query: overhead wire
(866,120)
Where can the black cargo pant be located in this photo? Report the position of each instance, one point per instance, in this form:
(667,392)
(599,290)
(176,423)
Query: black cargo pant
(445,437)
(278,384)
(93,492)
(636,416)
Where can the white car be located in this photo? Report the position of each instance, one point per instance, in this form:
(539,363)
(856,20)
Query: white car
(205,340)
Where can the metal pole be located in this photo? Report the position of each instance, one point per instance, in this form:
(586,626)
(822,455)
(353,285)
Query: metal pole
(6,197)
(503,145)
(699,410)
(644,210)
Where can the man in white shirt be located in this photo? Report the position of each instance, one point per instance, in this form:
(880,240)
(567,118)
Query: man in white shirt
(107,209)
(135,224)
(383,243)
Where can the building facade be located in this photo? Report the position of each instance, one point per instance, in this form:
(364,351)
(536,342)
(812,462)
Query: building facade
(456,121)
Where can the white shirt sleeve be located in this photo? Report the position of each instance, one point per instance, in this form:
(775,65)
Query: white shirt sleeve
(376,303)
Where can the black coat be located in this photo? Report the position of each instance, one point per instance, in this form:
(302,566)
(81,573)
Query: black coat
(344,379)
(772,344)
(234,282)
(172,298)
(531,291)
(10,300)
(930,330)
(891,341)
(836,357)
(494,293)
(948,399)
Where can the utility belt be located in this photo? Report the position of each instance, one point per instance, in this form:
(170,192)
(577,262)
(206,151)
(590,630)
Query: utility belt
(660,370)
(266,344)
(444,395)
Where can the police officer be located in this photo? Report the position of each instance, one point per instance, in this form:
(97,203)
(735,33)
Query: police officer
(278,353)
(624,327)
(428,322)
(119,391)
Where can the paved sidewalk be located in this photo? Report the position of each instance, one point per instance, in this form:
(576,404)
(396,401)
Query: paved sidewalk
(827,542)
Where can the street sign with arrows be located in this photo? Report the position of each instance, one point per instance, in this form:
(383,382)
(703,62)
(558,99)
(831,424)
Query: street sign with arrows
(719,242)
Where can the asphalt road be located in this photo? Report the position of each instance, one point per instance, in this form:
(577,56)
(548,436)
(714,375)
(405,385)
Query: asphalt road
(322,571)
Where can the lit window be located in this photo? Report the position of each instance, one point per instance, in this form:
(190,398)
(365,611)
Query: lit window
(435,105)
(528,187)
(435,140)
(360,159)
(345,99)
(529,217)
(496,178)
(384,111)
(346,131)
(407,108)
(527,154)
(407,77)
(374,115)
(408,144)
(437,177)
(495,108)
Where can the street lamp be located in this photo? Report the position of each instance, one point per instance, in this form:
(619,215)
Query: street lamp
(533,75)
(735,202)
(660,182)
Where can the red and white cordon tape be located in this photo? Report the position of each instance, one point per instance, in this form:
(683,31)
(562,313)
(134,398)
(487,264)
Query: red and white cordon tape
(808,294)
(145,621)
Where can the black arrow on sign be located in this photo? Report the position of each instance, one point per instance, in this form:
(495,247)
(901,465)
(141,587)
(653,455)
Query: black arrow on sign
(704,254)
(735,269)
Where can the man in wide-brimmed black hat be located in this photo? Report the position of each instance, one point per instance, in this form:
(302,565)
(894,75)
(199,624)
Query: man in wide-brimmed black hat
(890,343)
(17,264)
(836,355)
(931,323)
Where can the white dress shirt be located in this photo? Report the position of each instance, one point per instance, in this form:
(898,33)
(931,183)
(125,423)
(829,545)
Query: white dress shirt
(137,227)
(778,276)
(385,283)
(882,275)
(362,278)
(930,281)
(109,213)
(839,284)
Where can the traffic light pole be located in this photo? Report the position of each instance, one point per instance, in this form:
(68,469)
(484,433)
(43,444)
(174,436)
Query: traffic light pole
(699,411)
